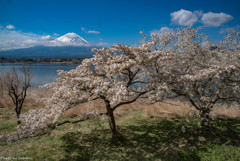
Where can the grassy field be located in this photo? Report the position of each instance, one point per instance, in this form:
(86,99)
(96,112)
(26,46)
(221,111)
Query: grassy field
(146,138)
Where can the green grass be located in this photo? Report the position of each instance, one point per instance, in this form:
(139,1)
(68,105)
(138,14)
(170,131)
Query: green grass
(145,139)
(8,123)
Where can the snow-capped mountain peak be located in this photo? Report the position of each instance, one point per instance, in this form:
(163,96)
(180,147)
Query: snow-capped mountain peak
(71,39)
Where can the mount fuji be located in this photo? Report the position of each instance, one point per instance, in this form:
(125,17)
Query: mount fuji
(70,39)
(69,45)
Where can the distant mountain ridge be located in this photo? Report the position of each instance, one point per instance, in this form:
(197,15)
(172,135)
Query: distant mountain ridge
(69,45)
(50,52)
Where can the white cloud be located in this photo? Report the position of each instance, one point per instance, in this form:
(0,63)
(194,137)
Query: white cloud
(93,32)
(102,44)
(161,31)
(10,27)
(184,17)
(55,34)
(199,13)
(215,19)
(10,39)
(89,31)
(46,37)
(83,29)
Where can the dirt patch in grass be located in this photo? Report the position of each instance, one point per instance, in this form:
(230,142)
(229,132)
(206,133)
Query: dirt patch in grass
(173,109)
(99,106)
(165,109)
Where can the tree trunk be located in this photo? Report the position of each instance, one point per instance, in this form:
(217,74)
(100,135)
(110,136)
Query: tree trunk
(112,124)
(18,116)
(18,121)
(205,116)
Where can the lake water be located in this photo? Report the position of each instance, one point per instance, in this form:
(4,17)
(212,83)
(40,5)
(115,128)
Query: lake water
(42,73)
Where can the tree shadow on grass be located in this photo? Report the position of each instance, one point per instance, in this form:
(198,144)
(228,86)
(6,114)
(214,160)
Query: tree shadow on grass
(156,140)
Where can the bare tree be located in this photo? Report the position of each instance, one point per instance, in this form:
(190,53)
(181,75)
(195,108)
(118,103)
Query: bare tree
(16,85)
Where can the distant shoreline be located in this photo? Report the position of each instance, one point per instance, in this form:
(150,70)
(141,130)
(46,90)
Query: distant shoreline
(42,60)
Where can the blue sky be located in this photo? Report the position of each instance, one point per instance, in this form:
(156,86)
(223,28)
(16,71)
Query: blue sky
(108,22)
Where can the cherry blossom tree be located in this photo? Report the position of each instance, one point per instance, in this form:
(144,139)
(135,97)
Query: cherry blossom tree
(115,75)
(202,72)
